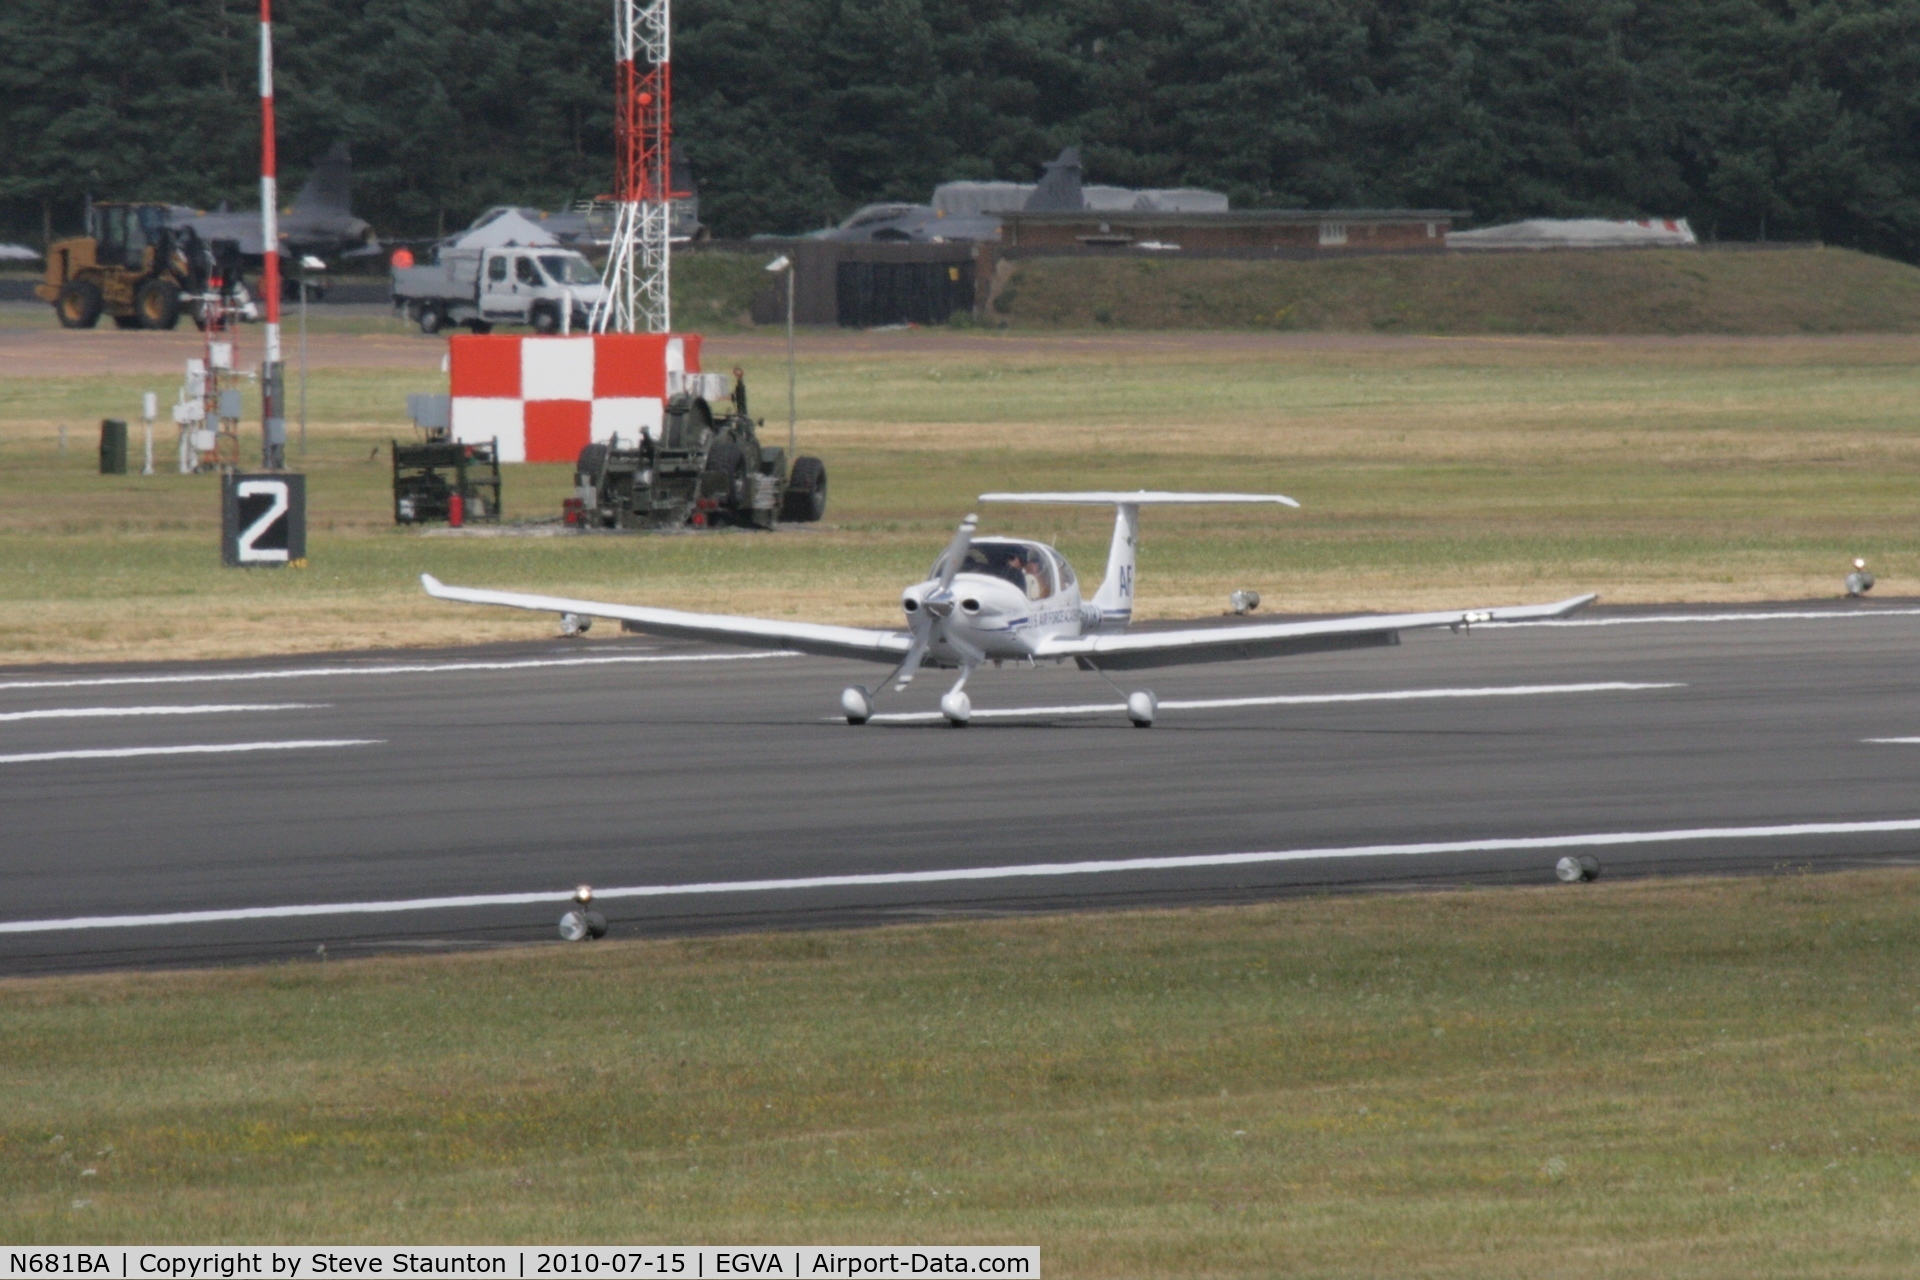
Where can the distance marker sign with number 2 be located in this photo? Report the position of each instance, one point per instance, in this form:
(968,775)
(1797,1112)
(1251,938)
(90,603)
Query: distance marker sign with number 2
(263,520)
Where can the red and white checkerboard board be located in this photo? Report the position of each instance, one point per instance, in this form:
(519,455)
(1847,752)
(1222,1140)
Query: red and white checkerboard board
(545,399)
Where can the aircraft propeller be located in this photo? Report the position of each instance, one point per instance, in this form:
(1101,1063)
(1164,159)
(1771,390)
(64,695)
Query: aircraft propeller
(956,552)
(934,607)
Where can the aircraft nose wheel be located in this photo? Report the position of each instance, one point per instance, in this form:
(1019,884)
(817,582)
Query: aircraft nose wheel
(1141,707)
(957,708)
(857,703)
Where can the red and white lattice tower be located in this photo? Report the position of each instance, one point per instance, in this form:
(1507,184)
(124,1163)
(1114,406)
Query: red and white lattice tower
(636,276)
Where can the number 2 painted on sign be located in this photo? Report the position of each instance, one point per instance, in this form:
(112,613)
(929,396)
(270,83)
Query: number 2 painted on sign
(277,490)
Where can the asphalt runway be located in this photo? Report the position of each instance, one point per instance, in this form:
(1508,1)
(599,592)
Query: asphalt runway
(261,810)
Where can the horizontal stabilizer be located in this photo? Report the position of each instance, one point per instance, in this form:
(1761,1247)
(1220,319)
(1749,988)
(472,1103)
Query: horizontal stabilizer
(1137,498)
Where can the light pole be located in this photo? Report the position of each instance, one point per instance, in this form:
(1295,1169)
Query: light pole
(308,263)
(777,266)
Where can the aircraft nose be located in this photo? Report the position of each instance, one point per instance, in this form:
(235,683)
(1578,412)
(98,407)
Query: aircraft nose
(927,599)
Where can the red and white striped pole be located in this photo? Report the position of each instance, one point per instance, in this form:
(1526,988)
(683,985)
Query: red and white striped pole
(639,257)
(273,412)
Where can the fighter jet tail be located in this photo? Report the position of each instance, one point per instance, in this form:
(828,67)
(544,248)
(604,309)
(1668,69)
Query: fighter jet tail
(1060,188)
(326,187)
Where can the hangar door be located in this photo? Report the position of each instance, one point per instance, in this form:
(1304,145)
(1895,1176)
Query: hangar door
(876,293)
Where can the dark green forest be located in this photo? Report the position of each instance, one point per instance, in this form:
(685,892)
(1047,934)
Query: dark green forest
(1758,119)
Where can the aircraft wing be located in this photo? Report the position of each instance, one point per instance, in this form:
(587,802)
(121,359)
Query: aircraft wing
(721,628)
(241,227)
(1279,639)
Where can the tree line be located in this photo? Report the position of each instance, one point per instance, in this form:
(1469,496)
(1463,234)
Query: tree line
(1757,119)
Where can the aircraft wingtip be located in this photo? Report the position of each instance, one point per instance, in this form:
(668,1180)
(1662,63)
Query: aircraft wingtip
(431,583)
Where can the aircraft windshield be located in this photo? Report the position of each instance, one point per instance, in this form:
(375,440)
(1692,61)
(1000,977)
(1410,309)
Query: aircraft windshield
(1025,566)
(568,268)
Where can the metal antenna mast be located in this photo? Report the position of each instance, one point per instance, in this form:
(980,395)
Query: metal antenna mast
(636,276)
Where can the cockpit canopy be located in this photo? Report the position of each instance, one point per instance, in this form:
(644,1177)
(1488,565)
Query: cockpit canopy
(1033,568)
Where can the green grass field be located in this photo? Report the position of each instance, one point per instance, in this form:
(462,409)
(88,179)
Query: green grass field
(1677,1079)
(1681,1079)
(1734,291)
(1431,471)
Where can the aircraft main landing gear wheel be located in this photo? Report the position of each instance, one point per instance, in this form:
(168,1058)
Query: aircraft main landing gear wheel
(1141,707)
(857,703)
(957,708)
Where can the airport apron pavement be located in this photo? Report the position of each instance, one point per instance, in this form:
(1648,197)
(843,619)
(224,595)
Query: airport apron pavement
(209,813)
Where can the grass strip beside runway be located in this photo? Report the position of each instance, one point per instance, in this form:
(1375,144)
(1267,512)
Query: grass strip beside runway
(1432,472)
(1690,1078)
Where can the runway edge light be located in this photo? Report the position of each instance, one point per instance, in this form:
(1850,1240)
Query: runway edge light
(582,924)
(1577,870)
(1859,582)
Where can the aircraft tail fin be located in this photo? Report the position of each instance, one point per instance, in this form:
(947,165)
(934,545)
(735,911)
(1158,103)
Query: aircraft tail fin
(1060,188)
(1115,597)
(326,189)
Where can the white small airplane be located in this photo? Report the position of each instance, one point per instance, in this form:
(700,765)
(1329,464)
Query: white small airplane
(1005,600)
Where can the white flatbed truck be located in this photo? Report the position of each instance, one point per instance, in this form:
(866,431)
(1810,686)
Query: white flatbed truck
(549,289)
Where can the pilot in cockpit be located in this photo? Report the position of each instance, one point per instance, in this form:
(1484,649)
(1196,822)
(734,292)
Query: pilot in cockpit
(1031,574)
(1020,566)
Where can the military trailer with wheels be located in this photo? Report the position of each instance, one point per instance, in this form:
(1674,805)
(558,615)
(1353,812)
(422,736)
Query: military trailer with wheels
(428,477)
(702,469)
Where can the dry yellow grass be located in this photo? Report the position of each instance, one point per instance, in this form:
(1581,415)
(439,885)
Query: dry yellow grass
(1432,472)
(1673,1078)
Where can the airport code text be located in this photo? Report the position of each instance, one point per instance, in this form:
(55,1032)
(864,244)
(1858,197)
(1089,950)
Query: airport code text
(231,1262)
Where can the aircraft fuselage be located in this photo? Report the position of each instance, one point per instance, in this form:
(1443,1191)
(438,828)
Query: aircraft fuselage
(1013,596)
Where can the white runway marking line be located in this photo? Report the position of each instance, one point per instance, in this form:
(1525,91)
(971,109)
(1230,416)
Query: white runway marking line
(394,669)
(197,749)
(204,709)
(1297,699)
(1891,740)
(1113,866)
(1800,615)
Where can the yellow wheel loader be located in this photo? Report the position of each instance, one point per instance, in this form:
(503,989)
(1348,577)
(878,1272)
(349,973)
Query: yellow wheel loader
(131,265)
